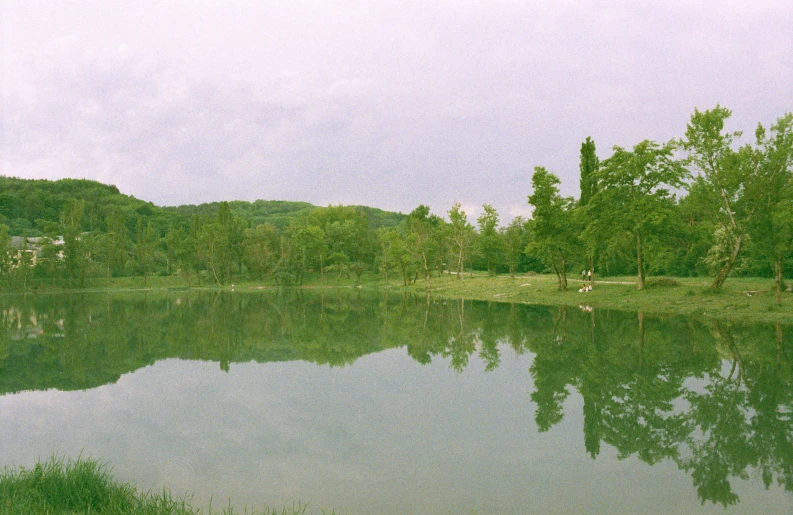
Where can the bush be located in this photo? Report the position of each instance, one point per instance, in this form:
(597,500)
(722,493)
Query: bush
(661,282)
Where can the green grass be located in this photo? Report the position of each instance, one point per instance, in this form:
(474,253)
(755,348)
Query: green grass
(85,486)
(743,299)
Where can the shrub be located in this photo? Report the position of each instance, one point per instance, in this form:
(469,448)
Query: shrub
(661,282)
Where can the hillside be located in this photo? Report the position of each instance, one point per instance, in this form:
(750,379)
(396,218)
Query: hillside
(27,206)
(281,213)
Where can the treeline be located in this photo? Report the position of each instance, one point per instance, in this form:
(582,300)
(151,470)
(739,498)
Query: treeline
(698,205)
(695,206)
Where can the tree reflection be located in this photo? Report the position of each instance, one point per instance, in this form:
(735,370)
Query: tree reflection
(714,398)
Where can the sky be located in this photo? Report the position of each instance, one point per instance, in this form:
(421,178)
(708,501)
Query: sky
(388,104)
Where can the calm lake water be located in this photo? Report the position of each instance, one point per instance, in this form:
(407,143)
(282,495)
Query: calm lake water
(401,404)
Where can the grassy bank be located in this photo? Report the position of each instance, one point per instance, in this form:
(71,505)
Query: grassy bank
(86,487)
(743,299)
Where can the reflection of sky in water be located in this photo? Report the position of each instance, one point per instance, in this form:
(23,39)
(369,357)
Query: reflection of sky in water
(384,435)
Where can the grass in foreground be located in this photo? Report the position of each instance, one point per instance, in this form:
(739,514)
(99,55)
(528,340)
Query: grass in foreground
(85,486)
(744,299)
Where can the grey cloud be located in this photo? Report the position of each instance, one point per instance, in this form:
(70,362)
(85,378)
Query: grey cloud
(387,104)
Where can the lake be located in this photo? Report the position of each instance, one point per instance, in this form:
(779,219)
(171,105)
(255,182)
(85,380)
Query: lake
(374,403)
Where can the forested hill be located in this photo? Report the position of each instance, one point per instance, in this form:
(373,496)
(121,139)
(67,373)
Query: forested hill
(280,213)
(27,206)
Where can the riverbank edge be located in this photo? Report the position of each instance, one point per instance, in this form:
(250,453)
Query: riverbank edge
(743,300)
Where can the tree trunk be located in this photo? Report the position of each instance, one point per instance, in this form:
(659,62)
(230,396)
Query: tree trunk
(592,270)
(558,276)
(426,269)
(639,262)
(778,282)
(725,270)
(563,281)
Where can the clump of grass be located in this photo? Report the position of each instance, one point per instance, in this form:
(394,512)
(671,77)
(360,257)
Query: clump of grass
(55,486)
(85,486)
(661,282)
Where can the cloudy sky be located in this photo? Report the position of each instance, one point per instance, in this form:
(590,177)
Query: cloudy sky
(381,103)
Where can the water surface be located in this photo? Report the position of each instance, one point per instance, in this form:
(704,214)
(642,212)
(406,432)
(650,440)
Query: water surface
(402,404)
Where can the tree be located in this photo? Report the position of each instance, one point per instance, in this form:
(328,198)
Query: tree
(116,252)
(146,242)
(233,236)
(212,248)
(515,238)
(421,229)
(262,245)
(461,233)
(5,251)
(395,254)
(73,246)
(589,164)
(724,177)
(588,182)
(771,227)
(310,243)
(552,230)
(489,242)
(634,198)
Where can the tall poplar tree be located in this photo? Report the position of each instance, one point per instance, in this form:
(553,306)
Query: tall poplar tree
(589,166)
(588,182)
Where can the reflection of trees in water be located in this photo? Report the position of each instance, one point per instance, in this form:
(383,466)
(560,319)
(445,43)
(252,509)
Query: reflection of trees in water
(655,389)
(715,398)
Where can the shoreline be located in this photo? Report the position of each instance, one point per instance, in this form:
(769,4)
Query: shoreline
(741,299)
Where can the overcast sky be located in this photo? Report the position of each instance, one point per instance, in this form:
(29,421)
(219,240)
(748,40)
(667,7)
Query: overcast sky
(383,103)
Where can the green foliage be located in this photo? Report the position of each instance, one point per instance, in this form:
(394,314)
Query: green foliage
(589,166)
(280,214)
(724,180)
(461,235)
(662,282)
(490,244)
(424,239)
(554,235)
(86,487)
(515,237)
(634,204)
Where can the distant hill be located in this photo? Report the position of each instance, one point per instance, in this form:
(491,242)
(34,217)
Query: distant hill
(276,212)
(281,213)
(27,205)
